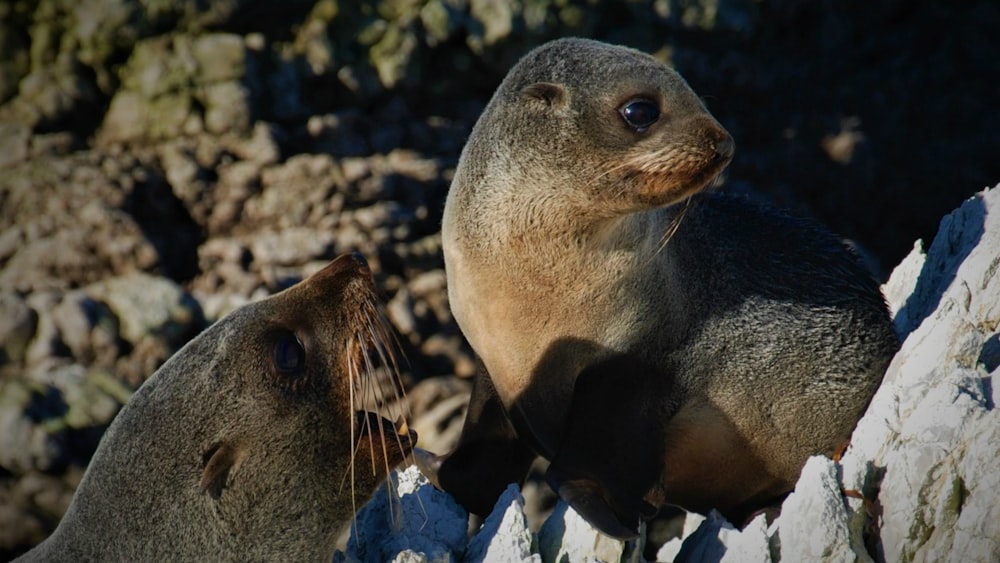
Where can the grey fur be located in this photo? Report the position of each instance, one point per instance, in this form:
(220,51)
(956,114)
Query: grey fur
(155,489)
(654,351)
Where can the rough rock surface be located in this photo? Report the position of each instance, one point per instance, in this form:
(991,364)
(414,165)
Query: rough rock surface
(164,162)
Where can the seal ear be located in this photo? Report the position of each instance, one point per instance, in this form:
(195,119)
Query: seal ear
(218,461)
(554,95)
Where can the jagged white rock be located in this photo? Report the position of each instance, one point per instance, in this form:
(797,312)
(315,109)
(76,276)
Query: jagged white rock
(708,542)
(813,521)
(669,550)
(408,520)
(566,536)
(505,535)
(933,428)
(750,546)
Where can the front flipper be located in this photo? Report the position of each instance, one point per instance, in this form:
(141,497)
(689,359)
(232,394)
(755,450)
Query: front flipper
(610,457)
(591,500)
(489,455)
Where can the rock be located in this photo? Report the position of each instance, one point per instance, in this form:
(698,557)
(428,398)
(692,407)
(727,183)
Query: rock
(927,431)
(25,445)
(496,20)
(169,80)
(18,322)
(408,514)
(814,528)
(290,247)
(124,121)
(262,146)
(504,536)
(14,142)
(567,536)
(227,107)
(221,57)
(148,305)
(69,229)
(437,408)
(708,542)
(751,545)
(295,193)
(89,329)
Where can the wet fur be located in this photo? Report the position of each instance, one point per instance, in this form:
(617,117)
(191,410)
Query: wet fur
(219,456)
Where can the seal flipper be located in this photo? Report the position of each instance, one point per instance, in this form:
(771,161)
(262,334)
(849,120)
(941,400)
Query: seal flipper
(489,455)
(218,460)
(590,500)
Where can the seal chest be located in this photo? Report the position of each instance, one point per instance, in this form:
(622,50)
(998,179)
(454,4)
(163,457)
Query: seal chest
(655,344)
(249,443)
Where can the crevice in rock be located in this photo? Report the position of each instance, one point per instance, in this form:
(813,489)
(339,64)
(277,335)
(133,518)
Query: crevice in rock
(166,223)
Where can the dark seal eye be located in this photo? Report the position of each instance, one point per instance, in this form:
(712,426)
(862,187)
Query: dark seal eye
(640,114)
(289,355)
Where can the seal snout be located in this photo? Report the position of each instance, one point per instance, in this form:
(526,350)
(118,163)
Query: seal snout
(349,264)
(724,146)
(359,259)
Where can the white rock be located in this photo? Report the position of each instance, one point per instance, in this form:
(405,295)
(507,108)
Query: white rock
(669,550)
(930,425)
(505,535)
(813,521)
(749,546)
(709,542)
(566,536)
(408,514)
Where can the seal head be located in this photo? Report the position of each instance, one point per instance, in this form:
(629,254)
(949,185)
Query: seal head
(247,444)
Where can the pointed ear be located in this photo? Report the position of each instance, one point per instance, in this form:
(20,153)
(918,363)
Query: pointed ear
(218,461)
(554,95)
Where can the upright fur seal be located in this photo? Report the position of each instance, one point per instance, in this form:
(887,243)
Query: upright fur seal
(655,344)
(247,445)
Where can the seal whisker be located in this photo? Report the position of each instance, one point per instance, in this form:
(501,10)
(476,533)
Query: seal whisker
(351,375)
(368,375)
(373,387)
(671,230)
(383,341)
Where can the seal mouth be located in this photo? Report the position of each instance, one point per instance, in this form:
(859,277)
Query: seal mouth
(673,173)
(396,437)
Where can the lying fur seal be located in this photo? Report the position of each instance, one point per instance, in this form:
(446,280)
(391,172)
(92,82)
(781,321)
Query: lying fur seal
(248,444)
(655,344)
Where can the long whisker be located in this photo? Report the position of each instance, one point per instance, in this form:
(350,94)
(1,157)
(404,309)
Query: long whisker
(352,374)
(378,395)
(675,223)
(381,336)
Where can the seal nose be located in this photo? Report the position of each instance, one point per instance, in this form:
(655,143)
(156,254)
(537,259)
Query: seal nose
(359,258)
(724,146)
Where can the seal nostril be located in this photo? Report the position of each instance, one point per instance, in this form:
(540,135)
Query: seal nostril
(725,146)
(359,258)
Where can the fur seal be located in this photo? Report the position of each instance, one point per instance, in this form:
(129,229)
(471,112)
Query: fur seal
(248,443)
(655,343)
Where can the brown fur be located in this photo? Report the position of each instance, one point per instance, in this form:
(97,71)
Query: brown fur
(223,456)
(654,353)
